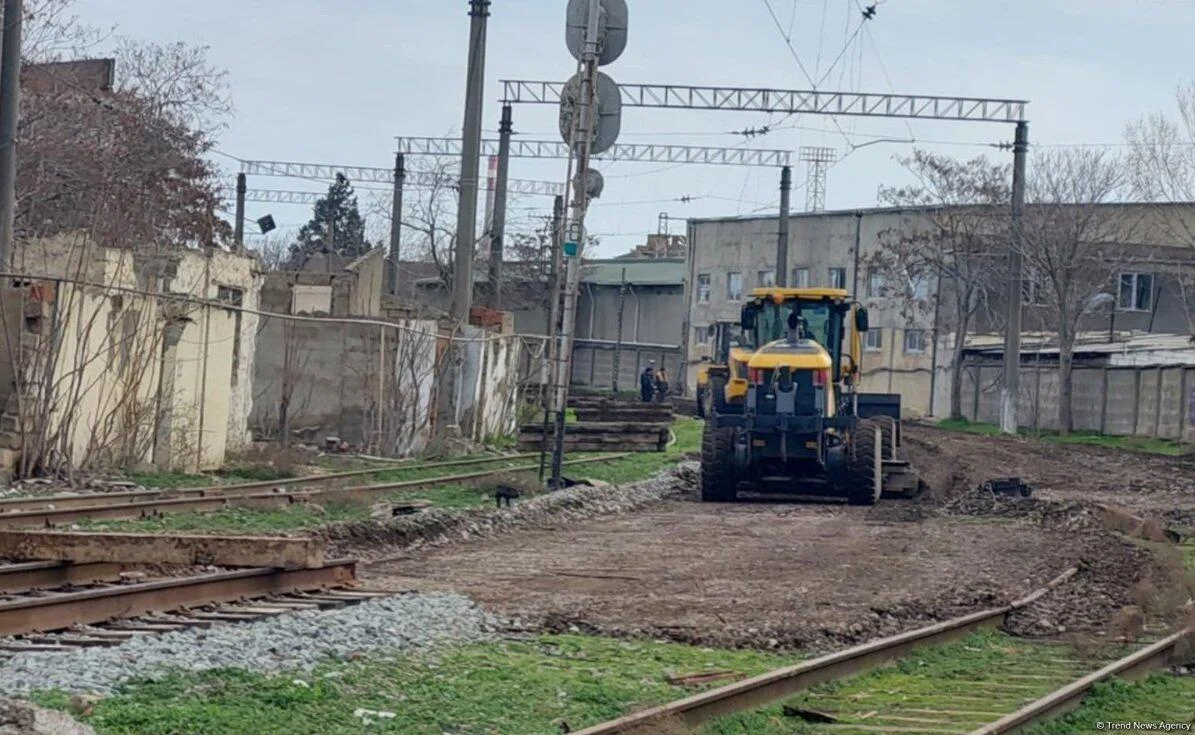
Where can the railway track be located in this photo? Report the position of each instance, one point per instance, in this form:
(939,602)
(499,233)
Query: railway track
(53,510)
(994,701)
(55,606)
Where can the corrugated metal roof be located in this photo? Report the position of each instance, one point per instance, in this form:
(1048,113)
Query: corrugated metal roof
(1087,343)
(661,272)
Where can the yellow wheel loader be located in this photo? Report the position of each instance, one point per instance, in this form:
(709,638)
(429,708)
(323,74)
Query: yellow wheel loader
(782,411)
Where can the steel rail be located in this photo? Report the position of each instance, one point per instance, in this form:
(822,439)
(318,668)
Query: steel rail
(80,500)
(59,612)
(96,509)
(45,574)
(1135,665)
(774,685)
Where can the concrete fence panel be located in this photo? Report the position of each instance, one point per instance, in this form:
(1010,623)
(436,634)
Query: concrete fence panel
(1121,414)
(1087,399)
(1170,423)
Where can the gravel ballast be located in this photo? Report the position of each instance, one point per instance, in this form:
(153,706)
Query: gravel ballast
(370,541)
(295,642)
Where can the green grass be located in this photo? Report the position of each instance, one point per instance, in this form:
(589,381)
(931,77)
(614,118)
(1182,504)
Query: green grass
(1145,445)
(939,678)
(642,466)
(295,518)
(512,688)
(1159,699)
(634,468)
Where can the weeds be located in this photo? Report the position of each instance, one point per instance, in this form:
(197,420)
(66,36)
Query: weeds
(534,686)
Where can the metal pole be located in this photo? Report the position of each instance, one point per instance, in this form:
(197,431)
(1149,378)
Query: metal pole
(858,254)
(10,102)
(583,140)
(786,186)
(242,189)
(622,305)
(1009,392)
(551,348)
(466,224)
(497,235)
(400,177)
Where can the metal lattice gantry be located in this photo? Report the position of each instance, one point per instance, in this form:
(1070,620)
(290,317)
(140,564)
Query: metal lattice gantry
(794,102)
(327,172)
(819,160)
(620,152)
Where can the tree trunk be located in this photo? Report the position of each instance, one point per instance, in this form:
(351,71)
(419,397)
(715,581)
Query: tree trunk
(956,379)
(1065,358)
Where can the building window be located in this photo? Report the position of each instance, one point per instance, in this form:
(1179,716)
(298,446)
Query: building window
(919,286)
(873,340)
(875,285)
(800,278)
(734,286)
(838,278)
(703,289)
(767,278)
(1136,292)
(229,295)
(703,336)
(914,342)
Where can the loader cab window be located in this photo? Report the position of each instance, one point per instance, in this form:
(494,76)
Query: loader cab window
(822,323)
(773,321)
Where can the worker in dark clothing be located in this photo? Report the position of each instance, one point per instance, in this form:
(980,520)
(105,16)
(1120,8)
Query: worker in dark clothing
(661,386)
(647,382)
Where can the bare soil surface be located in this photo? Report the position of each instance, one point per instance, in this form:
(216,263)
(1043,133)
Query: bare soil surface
(768,575)
(819,576)
(1152,486)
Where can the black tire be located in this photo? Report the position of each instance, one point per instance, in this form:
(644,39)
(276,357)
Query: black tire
(865,476)
(887,436)
(717,465)
(701,402)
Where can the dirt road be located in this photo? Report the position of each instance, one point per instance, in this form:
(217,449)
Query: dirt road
(757,574)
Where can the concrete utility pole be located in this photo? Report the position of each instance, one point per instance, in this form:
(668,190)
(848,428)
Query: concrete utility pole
(400,177)
(498,231)
(10,103)
(239,229)
(1010,390)
(466,223)
(786,187)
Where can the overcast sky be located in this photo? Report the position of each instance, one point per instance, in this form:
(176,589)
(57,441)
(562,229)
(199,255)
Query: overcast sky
(334,82)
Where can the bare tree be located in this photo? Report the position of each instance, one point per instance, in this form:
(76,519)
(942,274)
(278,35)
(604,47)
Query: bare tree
(1161,165)
(959,205)
(128,164)
(1075,244)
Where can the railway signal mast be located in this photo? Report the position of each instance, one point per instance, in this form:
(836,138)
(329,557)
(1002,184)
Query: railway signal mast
(590,119)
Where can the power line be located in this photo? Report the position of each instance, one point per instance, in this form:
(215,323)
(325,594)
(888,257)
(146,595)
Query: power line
(788,41)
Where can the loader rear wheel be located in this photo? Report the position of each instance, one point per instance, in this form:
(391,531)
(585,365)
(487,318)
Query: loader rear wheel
(717,464)
(865,471)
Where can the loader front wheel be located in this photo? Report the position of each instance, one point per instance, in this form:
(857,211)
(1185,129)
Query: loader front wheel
(865,471)
(717,464)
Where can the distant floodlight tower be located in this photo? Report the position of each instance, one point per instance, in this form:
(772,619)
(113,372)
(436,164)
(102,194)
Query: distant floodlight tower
(819,160)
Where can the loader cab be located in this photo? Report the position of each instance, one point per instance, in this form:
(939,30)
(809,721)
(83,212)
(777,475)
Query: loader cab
(795,315)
